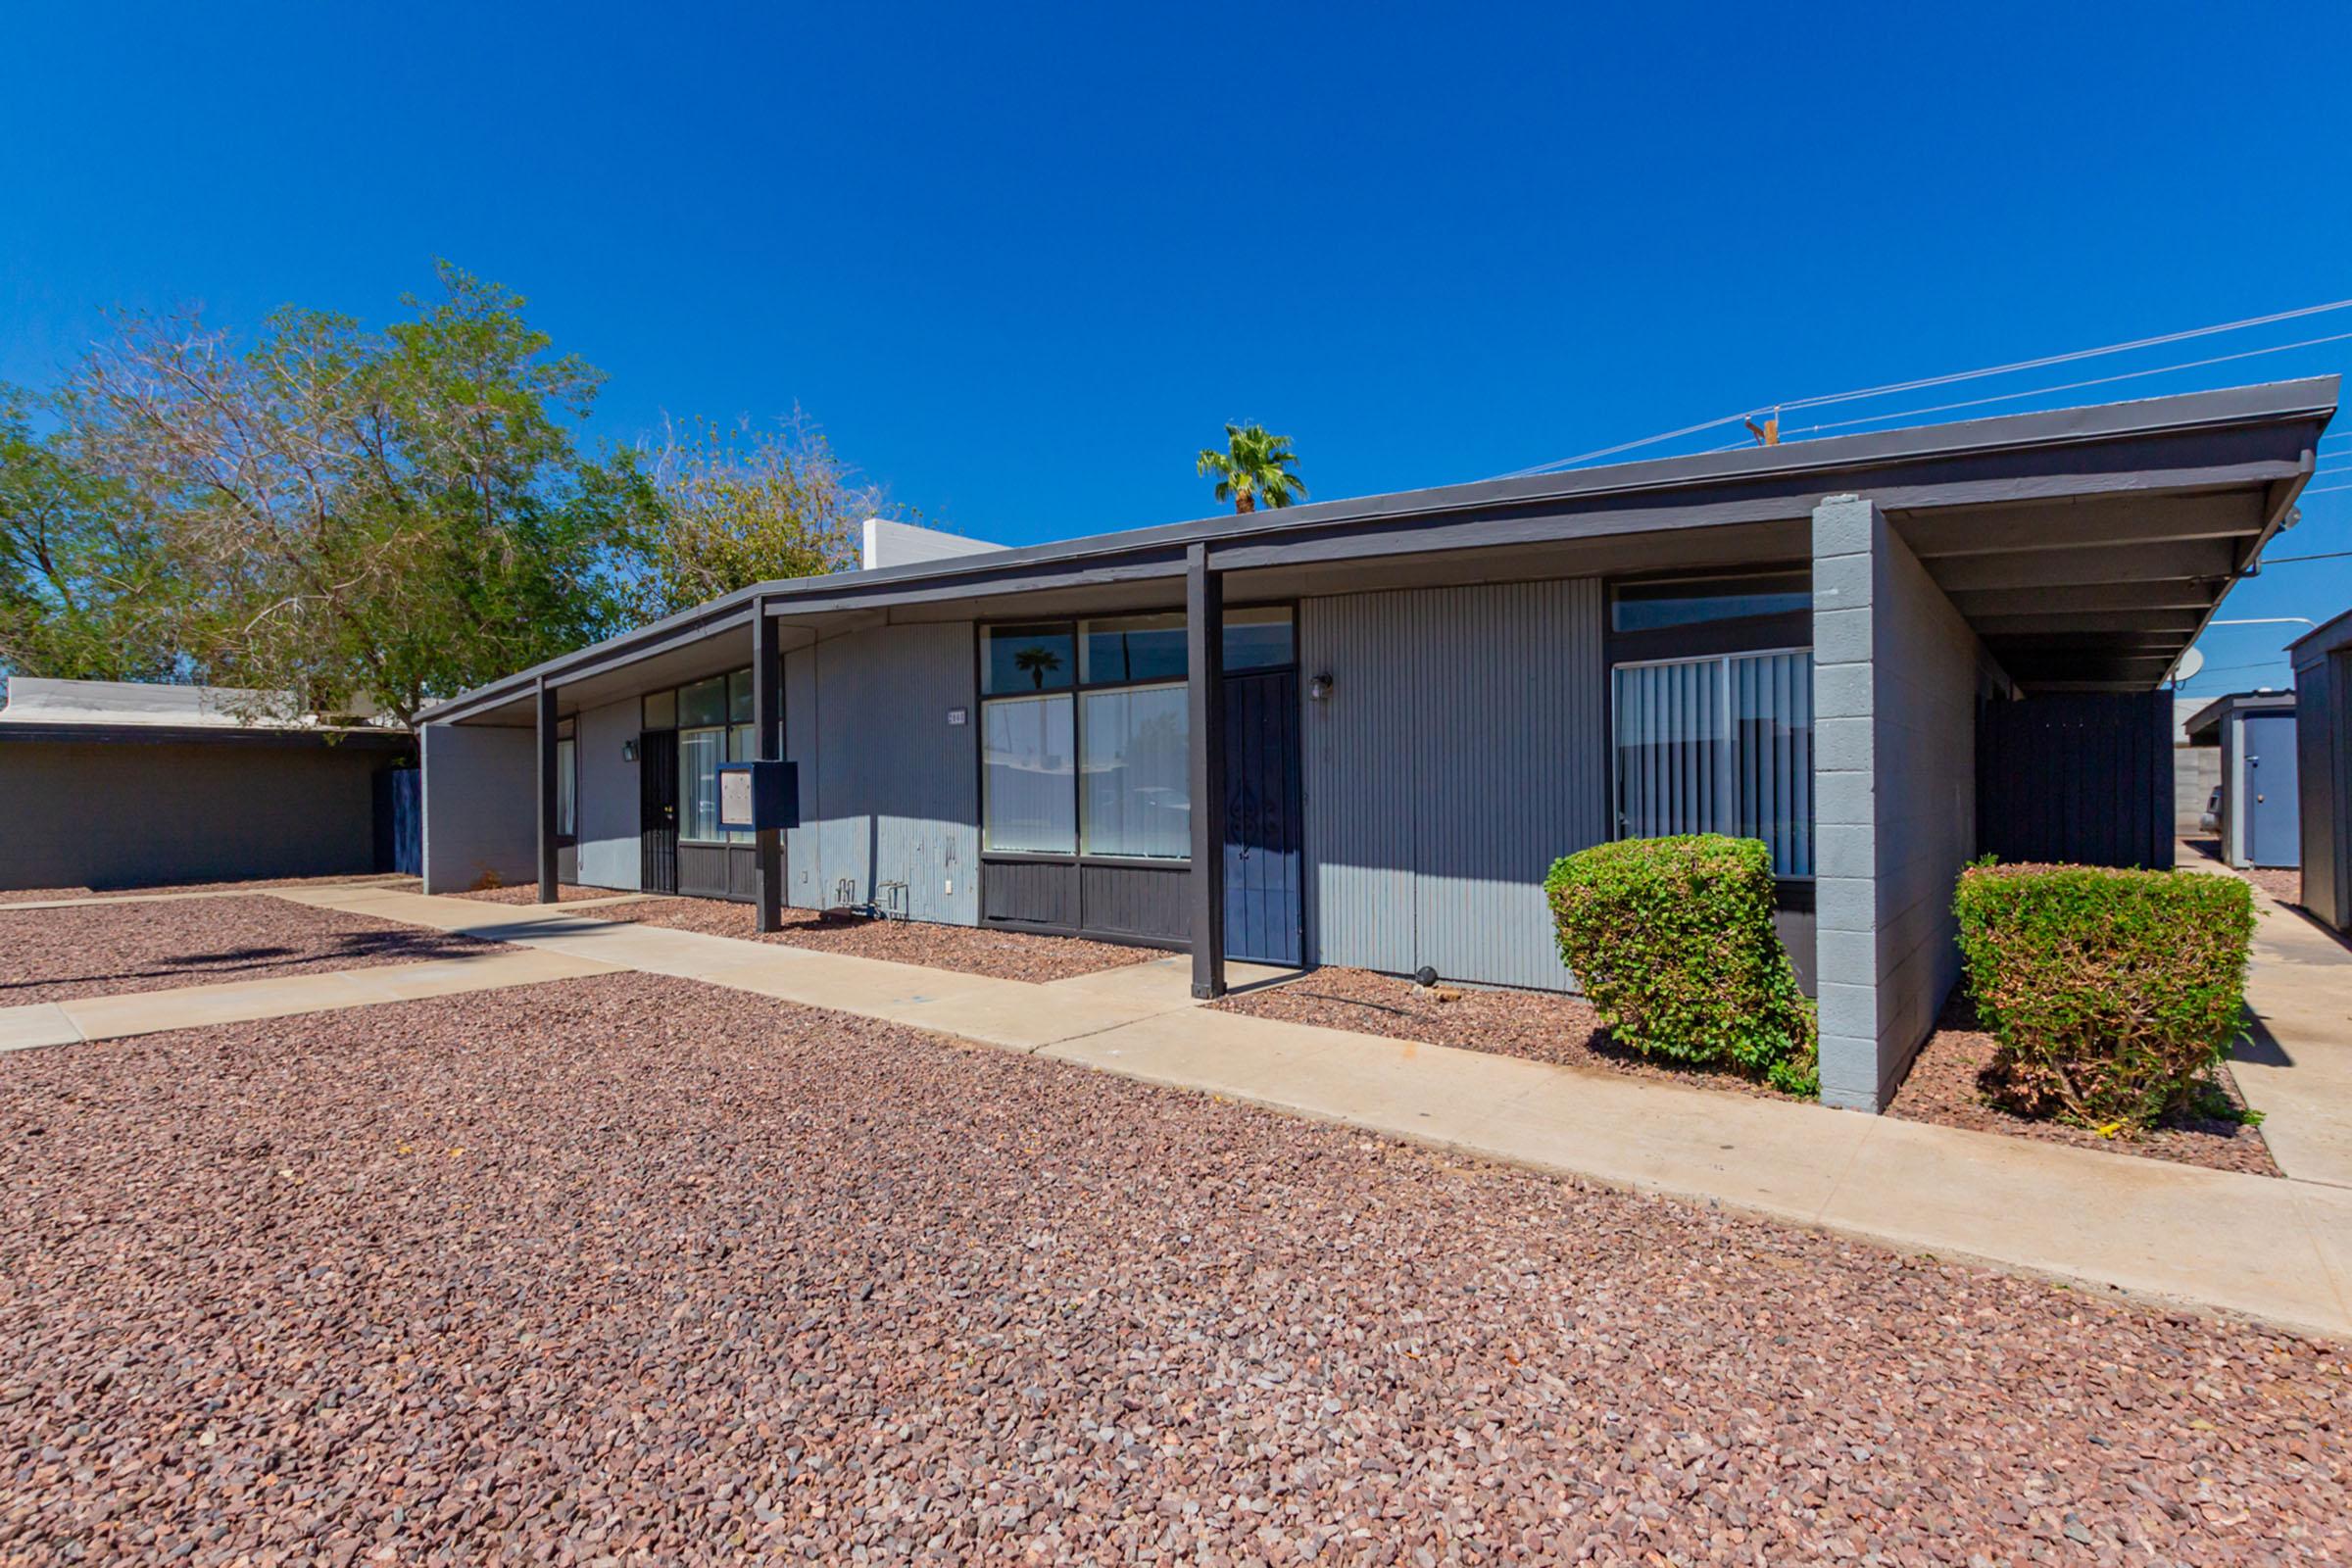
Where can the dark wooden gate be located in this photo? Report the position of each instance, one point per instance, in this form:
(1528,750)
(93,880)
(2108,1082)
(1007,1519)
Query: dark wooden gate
(657,811)
(2083,778)
(1262,839)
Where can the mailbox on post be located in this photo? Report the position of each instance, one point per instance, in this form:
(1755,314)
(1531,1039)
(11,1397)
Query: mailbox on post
(760,795)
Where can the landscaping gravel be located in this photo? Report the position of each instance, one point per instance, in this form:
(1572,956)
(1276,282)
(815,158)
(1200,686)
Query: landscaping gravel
(98,950)
(1540,1025)
(35,895)
(1944,1086)
(968,950)
(529,893)
(628,1270)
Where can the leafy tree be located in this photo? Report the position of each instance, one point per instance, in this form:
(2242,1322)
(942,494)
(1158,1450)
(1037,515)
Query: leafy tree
(85,593)
(735,506)
(353,516)
(1254,465)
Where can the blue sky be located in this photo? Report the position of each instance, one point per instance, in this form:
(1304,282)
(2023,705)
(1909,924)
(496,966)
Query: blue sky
(1021,262)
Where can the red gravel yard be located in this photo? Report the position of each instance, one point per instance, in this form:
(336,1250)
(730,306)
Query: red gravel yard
(355,879)
(1538,1025)
(630,1270)
(99,950)
(968,950)
(1946,1083)
(529,893)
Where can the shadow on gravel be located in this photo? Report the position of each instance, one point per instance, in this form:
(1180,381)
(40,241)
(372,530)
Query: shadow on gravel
(373,946)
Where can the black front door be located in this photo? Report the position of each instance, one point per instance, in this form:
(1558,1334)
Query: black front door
(657,811)
(1263,910)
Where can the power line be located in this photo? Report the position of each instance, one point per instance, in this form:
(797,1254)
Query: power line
(2288,561)
(2071,387)
(1919,384)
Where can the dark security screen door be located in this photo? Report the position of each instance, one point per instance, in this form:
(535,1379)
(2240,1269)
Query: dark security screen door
(657,811)
(2273,835)
(1263,905)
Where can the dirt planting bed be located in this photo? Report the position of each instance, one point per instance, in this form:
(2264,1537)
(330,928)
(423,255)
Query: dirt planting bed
(33,894)
(968,950)
(1944,1084)
(98,950)
(1542,1026)
(630,1270)
(529,893)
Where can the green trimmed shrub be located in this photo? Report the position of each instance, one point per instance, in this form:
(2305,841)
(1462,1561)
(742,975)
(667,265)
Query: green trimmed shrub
(1671,940)
(2113,994)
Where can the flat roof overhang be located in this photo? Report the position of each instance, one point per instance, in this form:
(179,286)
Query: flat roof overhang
(38,732)
(2087,546)
(2204,726)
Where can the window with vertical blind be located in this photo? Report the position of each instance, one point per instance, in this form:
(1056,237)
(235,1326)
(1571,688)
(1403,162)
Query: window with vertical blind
(1719,745)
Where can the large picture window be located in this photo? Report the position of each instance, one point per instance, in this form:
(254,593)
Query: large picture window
(1028,746)
(1131,763)
(1719,745)
(713,717)
(1085,730)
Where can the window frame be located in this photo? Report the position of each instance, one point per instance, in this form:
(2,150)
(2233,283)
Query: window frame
(1075,692)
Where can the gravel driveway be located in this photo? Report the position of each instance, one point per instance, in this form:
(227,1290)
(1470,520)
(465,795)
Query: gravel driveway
(626,1269)
(103,948)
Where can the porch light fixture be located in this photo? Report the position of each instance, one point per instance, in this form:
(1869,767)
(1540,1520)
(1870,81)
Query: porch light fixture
(1320,688)
(628,750)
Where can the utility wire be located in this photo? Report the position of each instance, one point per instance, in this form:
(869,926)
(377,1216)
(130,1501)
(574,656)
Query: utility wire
(1934,380)
(2288,561)
(2071,387)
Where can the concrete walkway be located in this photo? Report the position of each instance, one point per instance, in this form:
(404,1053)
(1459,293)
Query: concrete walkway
(143,1013)
(2272,1249)
(2275,1249)
(2298,1069)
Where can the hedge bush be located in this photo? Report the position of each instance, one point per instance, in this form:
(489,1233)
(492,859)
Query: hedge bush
(2113,994)
(1672,941)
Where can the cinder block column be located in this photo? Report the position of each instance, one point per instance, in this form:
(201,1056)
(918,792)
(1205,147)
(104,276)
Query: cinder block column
(1845,805)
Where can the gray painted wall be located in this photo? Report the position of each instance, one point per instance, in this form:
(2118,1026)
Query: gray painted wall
(607,800)
(121,814)
(1897,675)
(480,806)
(1460,754)
(889,789)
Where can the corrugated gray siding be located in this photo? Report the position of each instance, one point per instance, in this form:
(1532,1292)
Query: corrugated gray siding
(889,787)
(1461,753)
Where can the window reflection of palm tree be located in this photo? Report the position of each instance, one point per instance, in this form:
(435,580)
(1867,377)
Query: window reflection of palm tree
(1038,662)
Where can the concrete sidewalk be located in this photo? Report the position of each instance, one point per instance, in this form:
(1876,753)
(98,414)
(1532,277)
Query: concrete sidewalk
(2297,1071)
(143,1013)
(2272,1249)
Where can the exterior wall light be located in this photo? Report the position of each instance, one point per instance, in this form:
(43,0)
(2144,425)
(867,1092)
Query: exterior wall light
(628,750)
(1320,688)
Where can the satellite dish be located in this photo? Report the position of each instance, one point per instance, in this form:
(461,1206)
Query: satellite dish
(2191,661)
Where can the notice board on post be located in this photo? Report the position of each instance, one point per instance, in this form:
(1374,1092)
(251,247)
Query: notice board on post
(760,795)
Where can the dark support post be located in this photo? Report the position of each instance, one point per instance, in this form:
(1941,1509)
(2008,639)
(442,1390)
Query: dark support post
(547,793)
(1205,641)
(767,715)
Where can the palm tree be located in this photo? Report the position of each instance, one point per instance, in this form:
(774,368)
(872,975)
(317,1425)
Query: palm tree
(1253,466)
(1037,664)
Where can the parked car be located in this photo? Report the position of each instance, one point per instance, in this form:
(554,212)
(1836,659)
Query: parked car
(2211,821)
